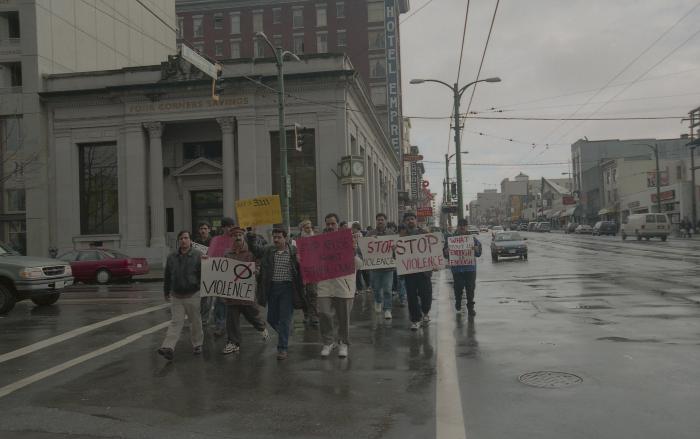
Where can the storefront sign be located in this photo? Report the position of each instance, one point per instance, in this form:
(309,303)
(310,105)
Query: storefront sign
(461,250)
(651,179)
(229,278)
(419,253)
(392,75)
(326,256)
(424,212)
(414,180)
(377,252)
(567,200)
(665,196)
(412,157)
(259,210)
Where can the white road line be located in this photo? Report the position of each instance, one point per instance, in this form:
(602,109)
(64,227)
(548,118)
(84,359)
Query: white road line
(4,391)
(448,401)
(76,332)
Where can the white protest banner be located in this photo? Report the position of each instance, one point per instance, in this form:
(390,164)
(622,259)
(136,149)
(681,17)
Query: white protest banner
(461,250)
(203,249)
(229,278)
(377,252)
(417,253)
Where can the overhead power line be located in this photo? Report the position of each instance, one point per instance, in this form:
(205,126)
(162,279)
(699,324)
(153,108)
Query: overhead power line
(416,11)
(536,118)
(483,55)
(464,39)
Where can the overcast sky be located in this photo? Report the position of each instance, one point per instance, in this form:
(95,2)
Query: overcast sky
(552,56)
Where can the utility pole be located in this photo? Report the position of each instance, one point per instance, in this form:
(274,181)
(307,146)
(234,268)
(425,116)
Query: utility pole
(658,178)
(447,186)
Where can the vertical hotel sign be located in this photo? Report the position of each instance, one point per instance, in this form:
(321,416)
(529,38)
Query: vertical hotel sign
(392,75)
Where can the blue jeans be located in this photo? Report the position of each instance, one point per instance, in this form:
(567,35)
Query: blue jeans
(279,312)
(402,289)
(382,281)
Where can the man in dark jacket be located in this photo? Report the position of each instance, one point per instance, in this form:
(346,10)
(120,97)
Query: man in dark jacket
(419,289)
(181,288)
(464,276)
(280,281)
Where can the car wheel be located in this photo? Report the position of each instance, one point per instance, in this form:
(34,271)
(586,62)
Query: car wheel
(663,238)
(46,299)
(7,299)
(103,276)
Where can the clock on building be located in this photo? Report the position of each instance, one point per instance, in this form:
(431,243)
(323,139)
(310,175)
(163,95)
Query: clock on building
(358,169)
(345,169)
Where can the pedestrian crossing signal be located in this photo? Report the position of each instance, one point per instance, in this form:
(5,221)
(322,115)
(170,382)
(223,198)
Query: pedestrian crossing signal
(298,137)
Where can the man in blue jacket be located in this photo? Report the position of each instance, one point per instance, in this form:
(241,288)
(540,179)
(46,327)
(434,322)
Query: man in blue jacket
(464,276)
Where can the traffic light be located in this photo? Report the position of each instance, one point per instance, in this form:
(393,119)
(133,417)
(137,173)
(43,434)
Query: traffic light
(453,189)
(217,85)
(298,137)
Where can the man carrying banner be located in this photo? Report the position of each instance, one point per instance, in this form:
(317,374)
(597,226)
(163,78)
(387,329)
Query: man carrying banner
(310,290)
(181,288)
(335,298)
(419,290)
(281,285)
(234,308)
(463,265)
(218,246)
(381,279)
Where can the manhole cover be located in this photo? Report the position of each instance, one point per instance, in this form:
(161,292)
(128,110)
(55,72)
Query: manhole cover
(549,379)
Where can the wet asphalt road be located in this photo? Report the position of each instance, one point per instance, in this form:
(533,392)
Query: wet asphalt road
(620,317)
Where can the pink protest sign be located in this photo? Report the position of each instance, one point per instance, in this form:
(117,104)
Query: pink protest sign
(219,245)
(326,256)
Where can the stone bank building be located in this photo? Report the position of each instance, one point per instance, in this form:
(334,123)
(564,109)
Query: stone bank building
(140,153)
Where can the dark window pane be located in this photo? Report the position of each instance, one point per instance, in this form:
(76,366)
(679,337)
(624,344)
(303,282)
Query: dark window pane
(301,166)
(208,150)
(170,220)
(99,202)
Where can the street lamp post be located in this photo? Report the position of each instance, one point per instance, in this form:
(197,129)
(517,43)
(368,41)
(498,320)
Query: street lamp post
(285,184)
(447,182)
(457,97)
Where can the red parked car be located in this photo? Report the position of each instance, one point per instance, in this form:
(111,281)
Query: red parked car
(102,265)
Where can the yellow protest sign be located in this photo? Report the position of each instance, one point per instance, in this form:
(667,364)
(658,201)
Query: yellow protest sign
(259,210)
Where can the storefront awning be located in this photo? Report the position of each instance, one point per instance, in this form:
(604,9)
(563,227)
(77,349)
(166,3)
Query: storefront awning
(571,211)
(605,211)
(557,214)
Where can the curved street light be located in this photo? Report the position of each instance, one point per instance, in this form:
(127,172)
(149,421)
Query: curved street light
(457,97)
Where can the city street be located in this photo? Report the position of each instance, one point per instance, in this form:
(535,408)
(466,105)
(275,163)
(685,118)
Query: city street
(592,337)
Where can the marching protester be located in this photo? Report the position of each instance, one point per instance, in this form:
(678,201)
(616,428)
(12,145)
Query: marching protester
(310,290)
(335,299)
(181,283)
(203,234)
(280,281)
(234,308)
(382,279)
(418,287)
(464,276)
(218,246)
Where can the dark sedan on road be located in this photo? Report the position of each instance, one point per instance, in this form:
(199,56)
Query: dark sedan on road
(508,245)
(103,265)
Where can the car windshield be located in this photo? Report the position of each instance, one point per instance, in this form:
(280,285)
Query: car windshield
(6,250)
(508,237)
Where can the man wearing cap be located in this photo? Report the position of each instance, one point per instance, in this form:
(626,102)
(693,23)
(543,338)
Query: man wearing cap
(419,290)
(218,247)
(464,276)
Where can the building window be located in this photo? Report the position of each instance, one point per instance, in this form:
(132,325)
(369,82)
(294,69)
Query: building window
(180,26)
(378,95)
(342,38)
(218,21)
(10,134)
(322,42)
(17,236)
(297,18)
(207,150)
(301,166)
(235,49)
(197,27)
(257,21)
(321,16)
(375,12)
(236,23)
(258,48)
(299,44)
(340,10)
(218,48)
(16,201)
(679,172)
(376,39)
(99,196)
(377,68)
(614,175)
(277,15)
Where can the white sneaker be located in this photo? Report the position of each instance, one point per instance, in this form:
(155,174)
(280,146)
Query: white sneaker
(377,307)
(327,348)
(387,314)
(265,335)
(460,311)
(426,320)
(342,350)
(414,326)
(230,348)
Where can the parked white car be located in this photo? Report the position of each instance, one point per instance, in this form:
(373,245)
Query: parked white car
(646,225)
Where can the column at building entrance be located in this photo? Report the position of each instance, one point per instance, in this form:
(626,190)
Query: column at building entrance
(229,166)
(155,180)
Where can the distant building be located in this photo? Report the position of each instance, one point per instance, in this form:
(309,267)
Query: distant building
(38,38)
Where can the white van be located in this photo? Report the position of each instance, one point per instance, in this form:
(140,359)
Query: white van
(646,225)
